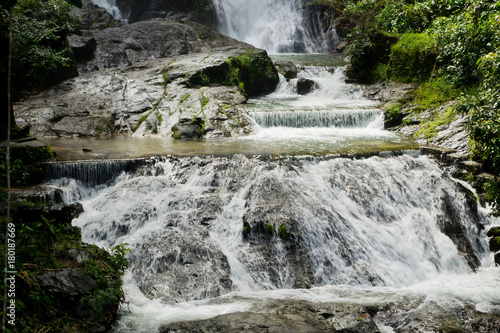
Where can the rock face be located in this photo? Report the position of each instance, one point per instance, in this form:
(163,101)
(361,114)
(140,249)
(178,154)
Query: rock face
(70,281)
(198,10)
(145,77)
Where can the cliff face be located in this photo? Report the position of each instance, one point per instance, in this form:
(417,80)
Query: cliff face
(195,10)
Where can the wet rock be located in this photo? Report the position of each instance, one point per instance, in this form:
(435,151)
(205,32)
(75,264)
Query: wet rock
(62,213)
(493,231)
(201,11)
(450,223)
(69,282)
(287,69)
(284,316)
(306,86)
(495,244)
(188,129)
(497,259)
(92,17)
(83,47)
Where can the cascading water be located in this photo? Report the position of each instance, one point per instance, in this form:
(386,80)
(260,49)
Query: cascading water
(276,26)
(199,228)
(263,220)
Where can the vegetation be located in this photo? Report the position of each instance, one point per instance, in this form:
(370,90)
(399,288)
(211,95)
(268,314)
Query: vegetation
(25,169)
(450,47)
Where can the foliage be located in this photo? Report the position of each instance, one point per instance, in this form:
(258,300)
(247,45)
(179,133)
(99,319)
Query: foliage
(413,58)
(42,245)
(39,39)
(270,228)
(462,40)
(24,166)
(434,93)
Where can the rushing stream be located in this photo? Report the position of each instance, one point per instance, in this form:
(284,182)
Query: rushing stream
(230,225)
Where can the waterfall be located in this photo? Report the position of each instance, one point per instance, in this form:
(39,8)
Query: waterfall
(277,26)
(329,118)
(375,221)
(111,7)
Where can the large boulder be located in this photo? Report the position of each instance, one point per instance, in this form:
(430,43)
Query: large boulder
(156,38)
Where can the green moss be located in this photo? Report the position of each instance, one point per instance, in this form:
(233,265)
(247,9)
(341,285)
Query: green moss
(42,245)
(282,232)
(270,228)
(204,100)
(253,72)
(430,129)
(435,92)
(494,232)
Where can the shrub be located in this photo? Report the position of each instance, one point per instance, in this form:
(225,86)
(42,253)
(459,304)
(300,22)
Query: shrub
(413,58)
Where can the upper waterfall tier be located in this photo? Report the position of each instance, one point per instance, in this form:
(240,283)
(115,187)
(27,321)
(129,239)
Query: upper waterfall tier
(279,26)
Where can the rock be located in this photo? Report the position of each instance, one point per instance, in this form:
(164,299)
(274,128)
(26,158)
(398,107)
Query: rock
(285,316)
(62,213)
(156,38)
(495,244)
(497,259)
(67,282)
(151,96)
(188,129)
(493,231)
(78,255)
(450,223)
(341,47)
(201,11)
(92,17)
(287,69)
(83,47)
(306,86)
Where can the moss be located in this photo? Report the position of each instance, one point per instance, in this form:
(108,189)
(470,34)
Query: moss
(204,100)
(253,72)
(413,58)
(430,129)
(282,232)
(494,232)
(270,228)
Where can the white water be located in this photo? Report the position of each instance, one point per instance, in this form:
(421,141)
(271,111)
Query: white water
(369,228)
(276,26)
(111,7)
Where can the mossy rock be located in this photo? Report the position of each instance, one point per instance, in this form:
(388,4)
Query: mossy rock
(494,231)
(495,244)
(253,71)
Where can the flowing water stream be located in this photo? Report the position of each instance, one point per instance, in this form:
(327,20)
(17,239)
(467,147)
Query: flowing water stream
(222,226)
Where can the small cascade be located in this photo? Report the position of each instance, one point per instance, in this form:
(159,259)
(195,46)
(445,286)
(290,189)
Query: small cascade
(90,173)
(111,7)
(330,118)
